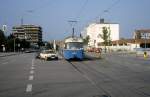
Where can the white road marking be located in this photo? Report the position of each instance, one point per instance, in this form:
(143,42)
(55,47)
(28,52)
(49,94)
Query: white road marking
(32,72)
(29,88)
(5,63)
(31,77)
(32,61)
(32,68)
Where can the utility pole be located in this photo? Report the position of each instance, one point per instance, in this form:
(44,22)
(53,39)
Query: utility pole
(145,41)
(145,53)
(54,45)
(72,23)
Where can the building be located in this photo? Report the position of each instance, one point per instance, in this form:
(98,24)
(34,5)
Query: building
(142,37)
(30,33)
(140,41)
(95,29)
(142,34)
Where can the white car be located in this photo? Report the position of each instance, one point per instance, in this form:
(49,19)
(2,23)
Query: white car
(48,54)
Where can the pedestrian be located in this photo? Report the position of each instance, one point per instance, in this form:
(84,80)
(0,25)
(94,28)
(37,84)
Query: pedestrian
(145,54)
(4,49)
(22,49)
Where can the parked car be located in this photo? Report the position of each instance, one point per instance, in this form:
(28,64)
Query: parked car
(48,54)
(90,49)
(97,50)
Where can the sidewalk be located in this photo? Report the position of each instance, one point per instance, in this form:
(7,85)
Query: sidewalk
(3,54)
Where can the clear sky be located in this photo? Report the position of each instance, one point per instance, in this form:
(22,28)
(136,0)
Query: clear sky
(53,15)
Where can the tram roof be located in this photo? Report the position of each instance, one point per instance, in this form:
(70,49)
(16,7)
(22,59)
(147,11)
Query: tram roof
(73,39)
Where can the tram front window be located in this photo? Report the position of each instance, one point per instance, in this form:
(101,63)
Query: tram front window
(74,46)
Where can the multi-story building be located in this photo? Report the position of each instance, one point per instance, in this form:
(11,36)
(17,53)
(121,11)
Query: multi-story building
(142,37)
(94,31)
(142,34)
(30,33)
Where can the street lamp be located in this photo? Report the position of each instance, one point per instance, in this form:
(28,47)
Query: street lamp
(4,28)
(145,41)
(14,44)
(18,47)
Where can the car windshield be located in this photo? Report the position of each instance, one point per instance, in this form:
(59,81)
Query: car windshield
(47,52)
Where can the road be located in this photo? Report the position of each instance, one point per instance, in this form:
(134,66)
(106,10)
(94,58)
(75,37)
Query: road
(115,75)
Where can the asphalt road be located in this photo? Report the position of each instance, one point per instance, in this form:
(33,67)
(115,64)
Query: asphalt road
(115,75)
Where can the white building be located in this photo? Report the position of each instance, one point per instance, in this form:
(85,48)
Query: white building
(95,29)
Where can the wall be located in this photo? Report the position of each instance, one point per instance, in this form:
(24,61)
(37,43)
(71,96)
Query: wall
(128,47)
(94,30)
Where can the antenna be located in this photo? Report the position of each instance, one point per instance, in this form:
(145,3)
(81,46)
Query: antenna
(22,21)
(72,24)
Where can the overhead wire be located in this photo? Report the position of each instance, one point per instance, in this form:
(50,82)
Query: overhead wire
(42,6)
(82,9)
(101,13)
(114,4)
(107,9)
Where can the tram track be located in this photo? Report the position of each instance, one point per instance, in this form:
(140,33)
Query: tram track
(83,72)
(99,79)
(102,79)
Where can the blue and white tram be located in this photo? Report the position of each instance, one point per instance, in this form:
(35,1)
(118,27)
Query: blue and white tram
(73,48)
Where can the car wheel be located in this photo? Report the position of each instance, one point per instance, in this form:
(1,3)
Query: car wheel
(46,58)
(56,58)
(41,58)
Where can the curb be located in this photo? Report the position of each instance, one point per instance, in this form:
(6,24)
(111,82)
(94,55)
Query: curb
(8,55)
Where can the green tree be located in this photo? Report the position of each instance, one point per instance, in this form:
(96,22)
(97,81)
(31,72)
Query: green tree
(24,43)
(10,44)
(49,45)
(18,43)
(2,36)
(106,37)
(86,40)
(40,43)
(2,39)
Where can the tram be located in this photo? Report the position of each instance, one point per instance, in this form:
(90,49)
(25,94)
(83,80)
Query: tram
(73,48)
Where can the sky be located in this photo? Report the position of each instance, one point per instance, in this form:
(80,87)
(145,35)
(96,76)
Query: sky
(53,15)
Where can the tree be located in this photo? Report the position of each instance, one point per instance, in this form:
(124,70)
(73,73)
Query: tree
(19,43)
(40,43)
(24,44)
(106,37)
(10,44)
(11,36)
(86,40)
(2,39)
(2,36)
(49,45)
